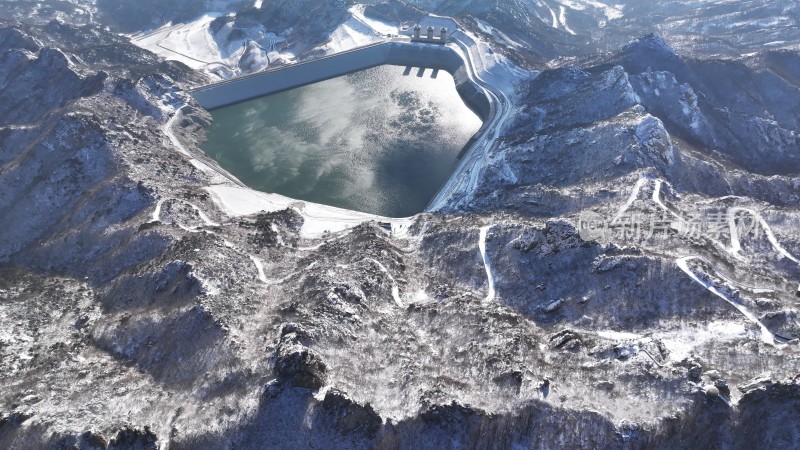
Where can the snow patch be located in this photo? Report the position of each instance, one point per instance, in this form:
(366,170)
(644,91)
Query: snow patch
(681,343)
(259,268)
(619,335)
(610,11)
(378,25)
(395,288)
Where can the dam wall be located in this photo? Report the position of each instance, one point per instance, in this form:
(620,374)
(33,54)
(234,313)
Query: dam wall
(444,58)
(429,56)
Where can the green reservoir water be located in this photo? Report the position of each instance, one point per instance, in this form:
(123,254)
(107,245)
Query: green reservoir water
(381,141)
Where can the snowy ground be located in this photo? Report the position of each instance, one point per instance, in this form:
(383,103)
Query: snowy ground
(194,45)
(319,219)
(189,43)
(351,34)
(376,25)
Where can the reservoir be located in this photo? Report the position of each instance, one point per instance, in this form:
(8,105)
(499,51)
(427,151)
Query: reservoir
(381,141)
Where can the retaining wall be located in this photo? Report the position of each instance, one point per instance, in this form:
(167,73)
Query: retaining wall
(429,56)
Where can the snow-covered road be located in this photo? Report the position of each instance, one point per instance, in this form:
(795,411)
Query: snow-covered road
(734,249)
(683,263)
(487,263)
(466,176)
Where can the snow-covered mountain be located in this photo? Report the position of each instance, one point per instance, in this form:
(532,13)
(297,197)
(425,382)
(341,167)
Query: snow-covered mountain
(545,29)
(620,271)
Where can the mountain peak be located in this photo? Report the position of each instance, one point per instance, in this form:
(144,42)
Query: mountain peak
(650,43)
(14,38)
(650,52)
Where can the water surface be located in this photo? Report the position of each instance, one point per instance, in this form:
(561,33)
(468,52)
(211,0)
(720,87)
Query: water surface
(381,141)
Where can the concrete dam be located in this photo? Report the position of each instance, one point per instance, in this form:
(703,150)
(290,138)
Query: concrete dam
(397,53)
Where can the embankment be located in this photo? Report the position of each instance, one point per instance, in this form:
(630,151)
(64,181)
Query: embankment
(397,53)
